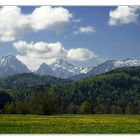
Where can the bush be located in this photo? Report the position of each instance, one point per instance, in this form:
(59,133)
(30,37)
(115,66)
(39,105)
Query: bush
(85,108)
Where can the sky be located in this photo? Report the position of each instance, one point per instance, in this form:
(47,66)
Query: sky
(83,35)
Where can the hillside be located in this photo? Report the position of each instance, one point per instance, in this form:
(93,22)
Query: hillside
(29,80)
(115,92)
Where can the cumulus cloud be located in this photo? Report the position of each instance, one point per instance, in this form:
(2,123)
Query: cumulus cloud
(50,18)
(85,30)
(14,24)
(124,15)
(34,54)
(80,54)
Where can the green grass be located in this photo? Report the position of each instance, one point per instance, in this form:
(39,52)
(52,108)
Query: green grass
(70,124)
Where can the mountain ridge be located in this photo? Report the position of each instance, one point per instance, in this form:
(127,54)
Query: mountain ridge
(108,66)
(61,68)
(10,65)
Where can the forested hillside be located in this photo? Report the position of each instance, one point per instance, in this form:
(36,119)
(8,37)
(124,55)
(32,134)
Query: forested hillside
(115,92)
(27,80)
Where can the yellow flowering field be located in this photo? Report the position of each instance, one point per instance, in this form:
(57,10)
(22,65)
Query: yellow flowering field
(70,124)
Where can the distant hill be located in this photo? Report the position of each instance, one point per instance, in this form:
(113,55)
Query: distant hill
(30,80)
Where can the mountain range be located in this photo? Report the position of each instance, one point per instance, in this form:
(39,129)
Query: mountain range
(61,69)
(108,66)
(10,65)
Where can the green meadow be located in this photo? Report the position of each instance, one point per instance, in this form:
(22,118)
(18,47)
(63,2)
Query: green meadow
(70,124)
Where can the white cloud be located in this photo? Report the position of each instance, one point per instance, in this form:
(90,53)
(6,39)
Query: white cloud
(123,15)
(85,30)
(14,24)
(50,18)
(34,54)
(80,54)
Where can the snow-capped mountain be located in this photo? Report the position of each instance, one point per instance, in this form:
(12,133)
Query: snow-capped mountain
(10,65)
(63,65)
(113,64)
(85,69)
(127,62)
(108,66)
(61,68)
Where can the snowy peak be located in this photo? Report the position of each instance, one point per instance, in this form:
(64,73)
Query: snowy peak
(6,60)
(113,64)
(68,66)
(84,69)
(64,69)
(61,68)
(62,63)
(108,66)
(126,62)
(65,65)
(10,65)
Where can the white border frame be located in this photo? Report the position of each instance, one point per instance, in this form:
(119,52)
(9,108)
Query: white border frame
(70,137)
(70,2)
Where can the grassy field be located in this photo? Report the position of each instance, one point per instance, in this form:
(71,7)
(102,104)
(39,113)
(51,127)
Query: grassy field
(70,124)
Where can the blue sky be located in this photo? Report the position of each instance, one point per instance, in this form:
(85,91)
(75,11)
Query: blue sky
(117,40)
